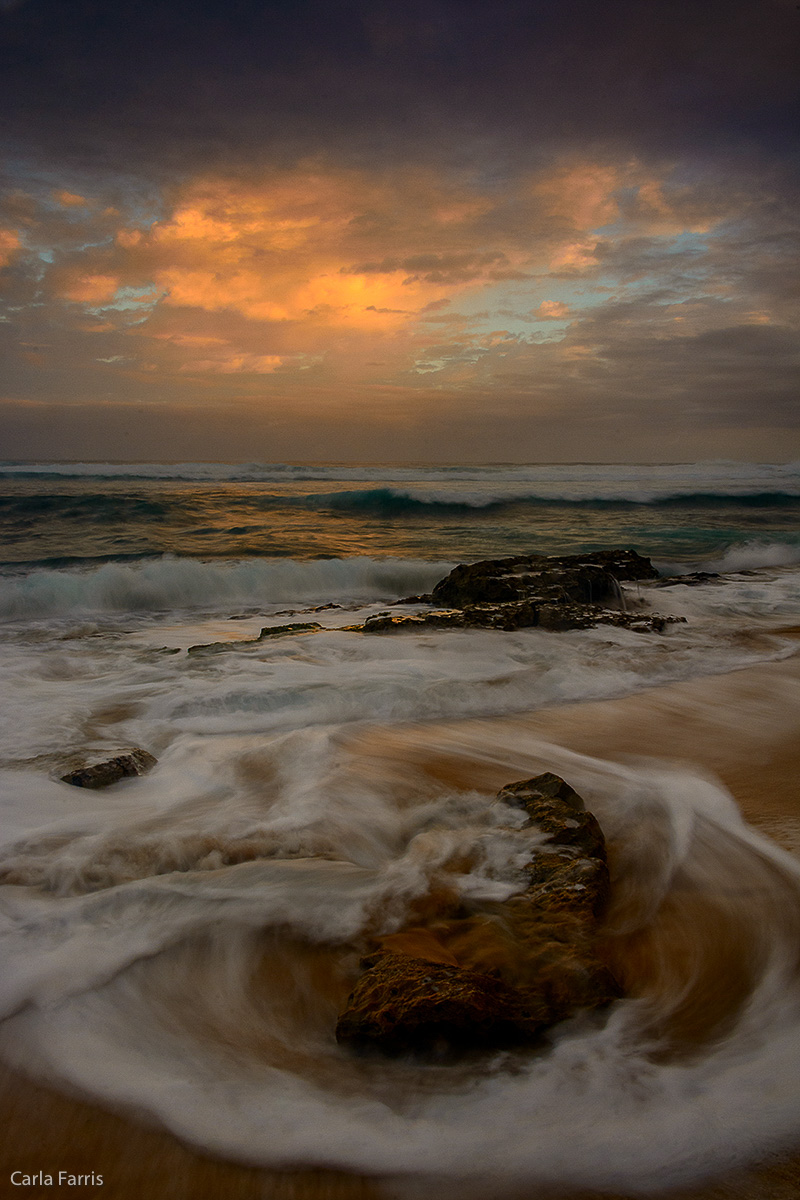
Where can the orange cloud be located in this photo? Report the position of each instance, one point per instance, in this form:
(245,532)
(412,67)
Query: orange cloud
(575,256)
(552,310)
(284,250)
(9,245)
(70,199)
(91,289)
(366,277)
(581,194)
(234,364)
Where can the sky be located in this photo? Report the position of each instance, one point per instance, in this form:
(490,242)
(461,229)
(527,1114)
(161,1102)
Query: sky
(363,230)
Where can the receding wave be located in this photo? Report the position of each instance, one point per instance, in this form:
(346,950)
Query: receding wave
(180,583)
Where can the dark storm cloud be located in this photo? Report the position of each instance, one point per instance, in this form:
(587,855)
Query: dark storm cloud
(159,85)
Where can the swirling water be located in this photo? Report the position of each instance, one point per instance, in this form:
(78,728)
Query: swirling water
(180,944)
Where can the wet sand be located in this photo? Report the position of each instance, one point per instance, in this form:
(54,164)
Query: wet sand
(743,727)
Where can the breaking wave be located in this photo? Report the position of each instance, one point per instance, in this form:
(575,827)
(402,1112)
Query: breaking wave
(181,583)
(751,556)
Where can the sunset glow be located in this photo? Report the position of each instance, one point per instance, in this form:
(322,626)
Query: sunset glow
(581,279)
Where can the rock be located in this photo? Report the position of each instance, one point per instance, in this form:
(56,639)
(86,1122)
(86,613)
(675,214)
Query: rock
(580,578)
(501,975)
(405,1005)
(558,592)
(440,619)
(511,616)
(563,878)
(555,808)
(269,631)
(693,579)
(110,770)
(422,598)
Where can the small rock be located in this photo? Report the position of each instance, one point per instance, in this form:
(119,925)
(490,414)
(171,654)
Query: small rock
(102,774)
(441,619)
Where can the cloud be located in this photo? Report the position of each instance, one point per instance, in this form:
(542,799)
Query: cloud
(69,199)
(10,243)
(475,221)
(217,86)
(91,289)
(552,310)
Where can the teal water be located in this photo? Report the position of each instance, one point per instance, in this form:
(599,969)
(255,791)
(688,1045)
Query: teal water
(684,516)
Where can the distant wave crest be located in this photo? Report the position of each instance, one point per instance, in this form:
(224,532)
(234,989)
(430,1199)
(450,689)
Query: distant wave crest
(396,502)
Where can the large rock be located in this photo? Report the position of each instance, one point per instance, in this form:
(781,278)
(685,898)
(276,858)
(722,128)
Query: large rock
(579,578)
(503,973)
(560,592)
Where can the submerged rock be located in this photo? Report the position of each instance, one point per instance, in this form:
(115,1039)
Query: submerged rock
(103,773)
(500,975)
(269,631)
(693,579)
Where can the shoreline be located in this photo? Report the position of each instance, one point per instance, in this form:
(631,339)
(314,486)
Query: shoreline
(742,727)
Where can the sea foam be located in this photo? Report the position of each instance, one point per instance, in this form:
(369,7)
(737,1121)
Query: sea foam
(173,583)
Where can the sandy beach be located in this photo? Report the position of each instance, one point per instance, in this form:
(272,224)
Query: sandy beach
(741,727)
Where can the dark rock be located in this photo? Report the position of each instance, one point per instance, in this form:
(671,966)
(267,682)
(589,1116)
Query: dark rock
(523,615)
(555,808)
(502,975)
(441,619)
(563,878)
(404,1005)
(103,773)
(558,969)
(269,631)
(694,579)
(574,591)
(581,578)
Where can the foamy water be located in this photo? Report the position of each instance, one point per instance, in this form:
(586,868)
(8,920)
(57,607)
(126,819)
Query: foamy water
(157,974)
(179,946)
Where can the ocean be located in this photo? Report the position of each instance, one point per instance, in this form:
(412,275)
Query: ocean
(177,947)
